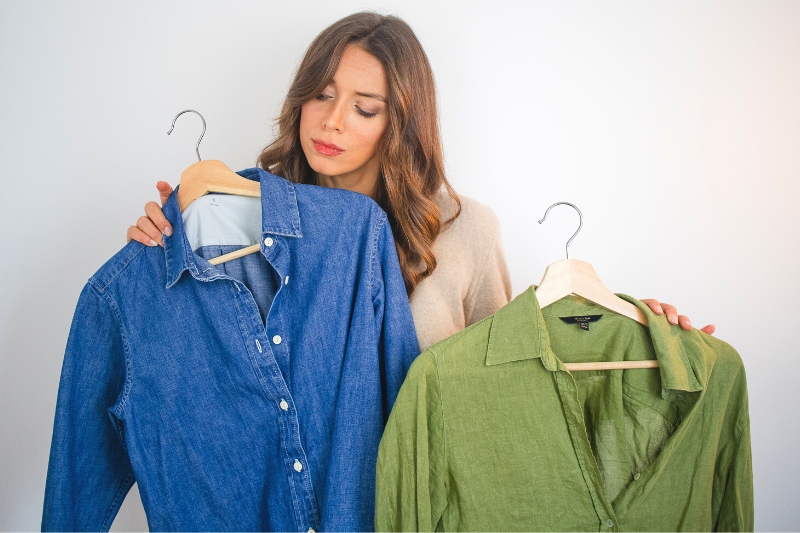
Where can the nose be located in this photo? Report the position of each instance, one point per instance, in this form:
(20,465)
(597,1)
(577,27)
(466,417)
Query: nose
(333,120)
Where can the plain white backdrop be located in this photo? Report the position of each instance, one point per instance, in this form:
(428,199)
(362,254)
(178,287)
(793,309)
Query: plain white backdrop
(674,126)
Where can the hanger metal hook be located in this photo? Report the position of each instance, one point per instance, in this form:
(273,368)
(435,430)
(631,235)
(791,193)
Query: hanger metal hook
(579,225)
(196,148)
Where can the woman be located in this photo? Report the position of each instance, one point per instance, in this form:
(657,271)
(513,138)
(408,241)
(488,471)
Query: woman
(361,115)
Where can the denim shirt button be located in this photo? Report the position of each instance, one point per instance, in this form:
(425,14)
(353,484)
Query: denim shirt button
(284,405)
(268,241)
(311,530)
(277,339)
(286,280)
(298,466)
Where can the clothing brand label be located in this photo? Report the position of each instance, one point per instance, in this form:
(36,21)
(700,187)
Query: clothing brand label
(582,321)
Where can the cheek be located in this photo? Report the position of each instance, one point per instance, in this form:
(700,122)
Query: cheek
(305,119)
(370,136)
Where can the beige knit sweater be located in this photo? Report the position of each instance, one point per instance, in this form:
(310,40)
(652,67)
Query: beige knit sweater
(471,279)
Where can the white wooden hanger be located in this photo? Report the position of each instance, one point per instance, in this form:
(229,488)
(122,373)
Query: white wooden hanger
(210,176)
(570,276)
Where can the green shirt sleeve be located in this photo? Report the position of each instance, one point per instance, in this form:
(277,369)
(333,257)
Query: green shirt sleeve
(411,488)
(736,512)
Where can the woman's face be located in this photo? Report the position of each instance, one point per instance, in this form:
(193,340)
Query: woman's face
(340,128)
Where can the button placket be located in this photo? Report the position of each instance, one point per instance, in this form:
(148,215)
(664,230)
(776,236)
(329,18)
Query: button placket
(574,417)
(294,454)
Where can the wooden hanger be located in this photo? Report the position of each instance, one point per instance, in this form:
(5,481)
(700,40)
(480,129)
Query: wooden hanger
(570,276)
(210,176)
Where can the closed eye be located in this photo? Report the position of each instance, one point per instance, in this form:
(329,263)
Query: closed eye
(363,113)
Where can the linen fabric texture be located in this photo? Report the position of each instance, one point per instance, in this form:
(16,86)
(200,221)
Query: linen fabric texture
(490,432)
(229,418)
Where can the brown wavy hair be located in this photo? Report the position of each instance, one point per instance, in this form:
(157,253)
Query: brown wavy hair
(411,163)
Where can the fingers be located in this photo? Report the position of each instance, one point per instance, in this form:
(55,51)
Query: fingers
(672,314)
(138,235)
(673,317)
(654,305)
(164,191)
(146,226)
(157,219)
(686,324)
(661,308)
(710,329)
(149,229)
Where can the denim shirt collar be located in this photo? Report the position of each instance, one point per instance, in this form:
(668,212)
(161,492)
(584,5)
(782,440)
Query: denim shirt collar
(518,332)
(279,216)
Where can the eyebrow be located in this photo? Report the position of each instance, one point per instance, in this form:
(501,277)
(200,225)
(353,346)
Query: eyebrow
(373,95)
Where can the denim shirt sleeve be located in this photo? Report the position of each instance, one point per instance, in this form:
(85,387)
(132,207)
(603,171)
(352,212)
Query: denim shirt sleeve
(89,472)
(398,344)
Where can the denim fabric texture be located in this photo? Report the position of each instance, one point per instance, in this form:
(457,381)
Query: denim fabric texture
(172,378)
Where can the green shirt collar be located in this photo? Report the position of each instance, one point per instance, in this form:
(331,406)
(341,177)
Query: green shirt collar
(518,333)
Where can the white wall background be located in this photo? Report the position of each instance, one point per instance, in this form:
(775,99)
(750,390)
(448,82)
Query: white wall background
(674,126)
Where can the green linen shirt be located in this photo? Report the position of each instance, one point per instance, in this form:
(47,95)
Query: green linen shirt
(490,432)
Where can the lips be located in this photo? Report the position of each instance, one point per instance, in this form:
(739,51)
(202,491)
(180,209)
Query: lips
(326,148)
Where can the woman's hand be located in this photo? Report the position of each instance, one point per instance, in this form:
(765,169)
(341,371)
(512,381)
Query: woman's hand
(673,317)
(149,228)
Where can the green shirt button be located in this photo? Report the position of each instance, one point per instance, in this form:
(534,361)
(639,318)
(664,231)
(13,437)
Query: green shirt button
(609,522)
(636,475)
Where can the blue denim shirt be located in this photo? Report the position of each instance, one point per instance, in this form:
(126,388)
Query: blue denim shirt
(172,379)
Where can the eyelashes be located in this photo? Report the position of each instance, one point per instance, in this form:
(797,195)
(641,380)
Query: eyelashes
(366,114)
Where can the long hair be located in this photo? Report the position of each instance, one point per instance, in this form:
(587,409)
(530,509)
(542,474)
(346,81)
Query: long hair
(411,160)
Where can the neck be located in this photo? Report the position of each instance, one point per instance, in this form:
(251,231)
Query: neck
(359,184)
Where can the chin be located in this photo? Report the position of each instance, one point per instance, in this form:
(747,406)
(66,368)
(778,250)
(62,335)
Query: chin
(325,167)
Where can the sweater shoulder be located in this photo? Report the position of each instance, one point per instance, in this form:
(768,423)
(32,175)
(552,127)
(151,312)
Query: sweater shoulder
(475,228)
(473,215)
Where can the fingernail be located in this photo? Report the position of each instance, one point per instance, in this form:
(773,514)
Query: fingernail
(673,319)
(688,324)
(168,231)
(659,310)
(153,243)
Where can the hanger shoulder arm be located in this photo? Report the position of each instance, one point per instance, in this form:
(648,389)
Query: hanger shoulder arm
(209,176)
(612,365)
